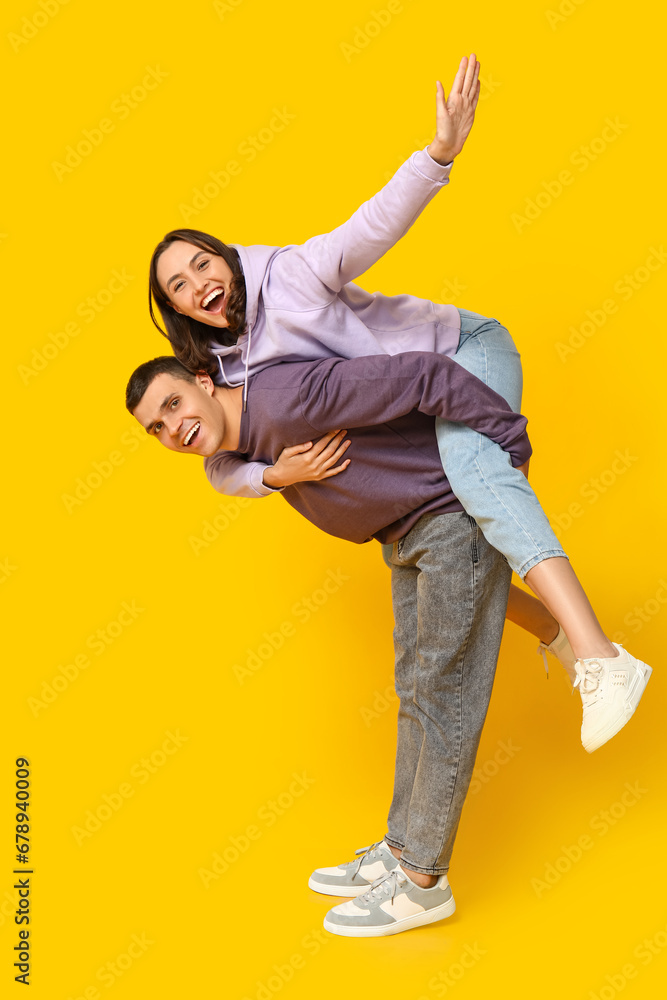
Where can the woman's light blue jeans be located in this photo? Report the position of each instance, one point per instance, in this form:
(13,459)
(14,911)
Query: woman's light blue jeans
(480,473)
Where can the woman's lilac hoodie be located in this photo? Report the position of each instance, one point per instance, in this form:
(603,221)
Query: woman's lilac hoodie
(301,304)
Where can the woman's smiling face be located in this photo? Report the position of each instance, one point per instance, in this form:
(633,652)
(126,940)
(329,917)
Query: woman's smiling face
(196,282)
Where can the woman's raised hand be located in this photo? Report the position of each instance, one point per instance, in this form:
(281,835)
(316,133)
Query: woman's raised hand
(455,115)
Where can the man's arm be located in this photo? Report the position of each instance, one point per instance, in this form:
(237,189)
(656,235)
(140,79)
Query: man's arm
(363,392)
(321,266)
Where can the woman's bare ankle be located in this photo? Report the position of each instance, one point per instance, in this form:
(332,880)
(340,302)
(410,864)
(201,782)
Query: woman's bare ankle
(594,651)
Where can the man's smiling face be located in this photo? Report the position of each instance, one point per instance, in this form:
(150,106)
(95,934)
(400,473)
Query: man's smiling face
(184,416)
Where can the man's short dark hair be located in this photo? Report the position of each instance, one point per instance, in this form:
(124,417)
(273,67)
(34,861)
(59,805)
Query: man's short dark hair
(142,377)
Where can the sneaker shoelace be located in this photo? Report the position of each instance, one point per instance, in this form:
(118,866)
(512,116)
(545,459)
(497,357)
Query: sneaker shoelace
(385,884)
(365,852)
(588,678)
(542,649)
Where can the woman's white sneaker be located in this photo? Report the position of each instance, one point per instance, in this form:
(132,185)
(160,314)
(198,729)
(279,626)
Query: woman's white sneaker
(354,877)
(610,688)
(392,904)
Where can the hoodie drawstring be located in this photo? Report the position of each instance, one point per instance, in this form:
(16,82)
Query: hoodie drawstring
(245,381)
(247,362)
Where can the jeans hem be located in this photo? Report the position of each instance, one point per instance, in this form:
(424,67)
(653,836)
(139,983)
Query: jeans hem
(393,843)
(423,871)
(530,563)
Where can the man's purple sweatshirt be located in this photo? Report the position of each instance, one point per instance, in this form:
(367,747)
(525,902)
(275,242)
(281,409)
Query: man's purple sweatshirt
(388,405)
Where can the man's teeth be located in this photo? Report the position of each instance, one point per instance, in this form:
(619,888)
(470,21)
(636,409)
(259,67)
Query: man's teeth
(211,295)
(193,430)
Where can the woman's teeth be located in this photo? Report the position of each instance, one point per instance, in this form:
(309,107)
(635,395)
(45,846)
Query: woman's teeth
(210,297)
(191,433)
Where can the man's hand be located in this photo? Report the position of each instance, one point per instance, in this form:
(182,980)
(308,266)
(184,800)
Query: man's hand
(309,462)
(454,116)
(524,468)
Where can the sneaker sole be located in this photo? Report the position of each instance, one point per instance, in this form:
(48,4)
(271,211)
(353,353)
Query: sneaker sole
(332,890)
(417,920)
(629,710)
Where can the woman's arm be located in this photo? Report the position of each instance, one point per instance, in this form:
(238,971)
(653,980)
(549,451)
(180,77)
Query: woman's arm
(320,267)
(229,473)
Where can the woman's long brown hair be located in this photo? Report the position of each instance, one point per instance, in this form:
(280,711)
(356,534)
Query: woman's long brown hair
(190,339)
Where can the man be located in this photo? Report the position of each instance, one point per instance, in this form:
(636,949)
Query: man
(449,586)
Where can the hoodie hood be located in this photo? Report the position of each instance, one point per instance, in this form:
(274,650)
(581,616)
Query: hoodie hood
(255,263)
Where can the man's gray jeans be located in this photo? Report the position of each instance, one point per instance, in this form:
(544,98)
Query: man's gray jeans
(449,589)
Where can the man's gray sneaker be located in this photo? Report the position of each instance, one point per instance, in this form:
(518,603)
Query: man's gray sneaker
(392,904)
(354,877)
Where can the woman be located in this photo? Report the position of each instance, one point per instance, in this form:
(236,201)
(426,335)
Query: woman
(233,310)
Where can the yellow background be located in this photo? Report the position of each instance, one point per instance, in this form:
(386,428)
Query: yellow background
(362,100)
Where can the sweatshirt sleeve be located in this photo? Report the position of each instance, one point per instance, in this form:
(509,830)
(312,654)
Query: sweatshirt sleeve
(229,473)
(374,390)
(321,266)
